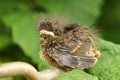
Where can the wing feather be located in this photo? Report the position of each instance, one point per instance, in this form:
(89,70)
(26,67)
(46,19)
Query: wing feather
(64,59)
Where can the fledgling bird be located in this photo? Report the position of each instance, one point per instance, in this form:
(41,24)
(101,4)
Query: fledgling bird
(66,46)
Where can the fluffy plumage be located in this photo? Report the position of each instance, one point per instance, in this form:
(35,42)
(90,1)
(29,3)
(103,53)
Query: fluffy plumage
(68,46)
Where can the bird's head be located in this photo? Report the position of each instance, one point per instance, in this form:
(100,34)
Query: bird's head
(46,35)
(49,30)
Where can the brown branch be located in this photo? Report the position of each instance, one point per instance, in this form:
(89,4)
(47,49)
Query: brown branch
(27,70)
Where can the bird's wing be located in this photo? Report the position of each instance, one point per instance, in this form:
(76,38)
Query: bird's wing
(65,59)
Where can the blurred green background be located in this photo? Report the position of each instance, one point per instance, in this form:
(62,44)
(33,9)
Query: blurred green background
(19,38)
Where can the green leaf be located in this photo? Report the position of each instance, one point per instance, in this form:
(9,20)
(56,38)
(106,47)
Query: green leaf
(13,6)
(109,21)
(9,78)
(82,11)
(5,40)
(76,75)
(107,67)
(25,34)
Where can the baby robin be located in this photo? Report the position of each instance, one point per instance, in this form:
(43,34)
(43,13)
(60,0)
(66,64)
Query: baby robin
(67,46)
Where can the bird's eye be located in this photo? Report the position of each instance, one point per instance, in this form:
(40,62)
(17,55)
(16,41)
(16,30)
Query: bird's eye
(45,37)
(55,31)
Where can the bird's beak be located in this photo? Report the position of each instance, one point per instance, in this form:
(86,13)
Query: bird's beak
(48,33)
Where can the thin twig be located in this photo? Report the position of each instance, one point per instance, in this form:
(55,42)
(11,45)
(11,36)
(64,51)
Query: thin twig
(27,70)
(50,74)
